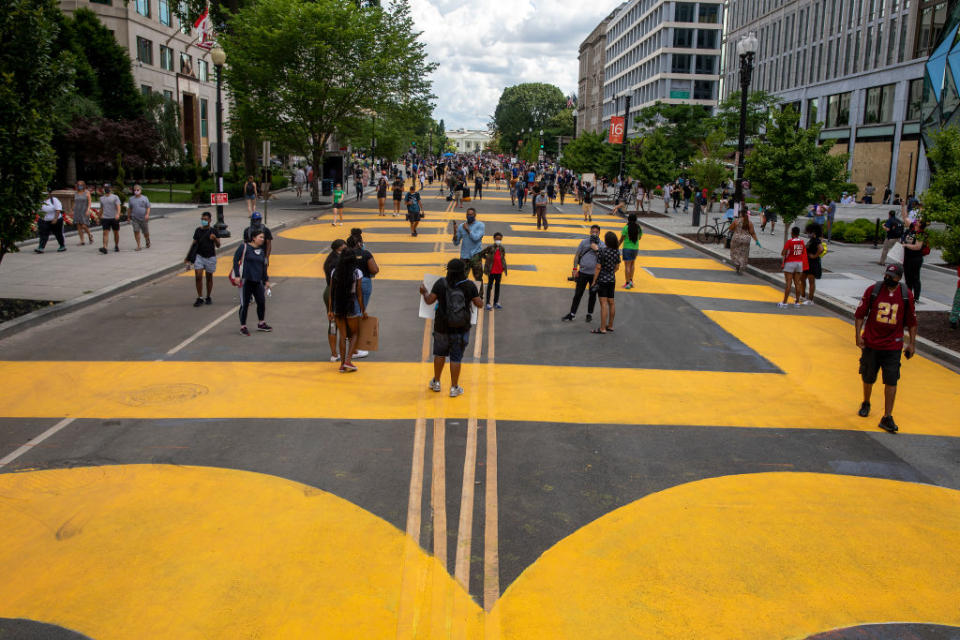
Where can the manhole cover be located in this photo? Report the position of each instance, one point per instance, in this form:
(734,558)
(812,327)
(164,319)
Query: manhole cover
(164,394)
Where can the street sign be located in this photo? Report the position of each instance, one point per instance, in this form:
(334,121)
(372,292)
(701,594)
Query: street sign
(616,129)
(219,198)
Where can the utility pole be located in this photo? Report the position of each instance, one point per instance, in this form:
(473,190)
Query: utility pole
(626,128)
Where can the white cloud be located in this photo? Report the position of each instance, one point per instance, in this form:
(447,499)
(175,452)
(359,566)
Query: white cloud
(484,46)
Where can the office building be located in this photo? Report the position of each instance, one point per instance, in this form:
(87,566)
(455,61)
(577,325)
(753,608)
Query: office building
(856,66)
(662,50)
(590,86)
(165,60)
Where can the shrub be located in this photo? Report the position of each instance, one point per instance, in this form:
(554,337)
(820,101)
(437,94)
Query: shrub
(855,234)
(839,230)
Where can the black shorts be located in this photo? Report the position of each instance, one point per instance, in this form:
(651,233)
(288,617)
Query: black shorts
(815,270)
(873,361)
(606,289)
(110,223)
(451,345)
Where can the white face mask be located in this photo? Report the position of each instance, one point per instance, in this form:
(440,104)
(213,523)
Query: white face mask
(497,242)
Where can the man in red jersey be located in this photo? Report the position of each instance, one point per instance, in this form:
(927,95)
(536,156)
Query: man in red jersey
(886,308)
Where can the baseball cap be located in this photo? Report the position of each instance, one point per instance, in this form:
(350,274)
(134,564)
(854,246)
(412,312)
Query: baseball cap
(894,270)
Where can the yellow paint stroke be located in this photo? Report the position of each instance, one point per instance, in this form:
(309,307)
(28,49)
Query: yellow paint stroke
(820,388)
(137,551)
(750,557)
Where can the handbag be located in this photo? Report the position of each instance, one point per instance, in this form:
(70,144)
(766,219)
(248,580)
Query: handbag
(926,249)
(236,279)
(896,253)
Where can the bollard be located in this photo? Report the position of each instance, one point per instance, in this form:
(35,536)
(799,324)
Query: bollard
(876,234)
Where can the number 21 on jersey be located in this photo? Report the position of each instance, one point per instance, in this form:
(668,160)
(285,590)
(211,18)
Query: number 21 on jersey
(887,313)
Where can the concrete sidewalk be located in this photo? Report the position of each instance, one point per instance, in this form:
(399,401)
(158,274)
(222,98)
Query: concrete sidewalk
(82,275)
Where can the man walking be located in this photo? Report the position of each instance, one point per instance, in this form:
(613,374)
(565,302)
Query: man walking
(584,266)
(257,226)
(885,309)
(451,326)
(469,236)
(139,208)
(894,229)
(205,245)
(110,218)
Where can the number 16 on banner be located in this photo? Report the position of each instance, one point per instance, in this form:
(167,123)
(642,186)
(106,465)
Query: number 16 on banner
(616,130)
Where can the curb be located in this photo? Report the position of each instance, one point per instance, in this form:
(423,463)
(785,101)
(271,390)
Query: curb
(924,346)
(41,316)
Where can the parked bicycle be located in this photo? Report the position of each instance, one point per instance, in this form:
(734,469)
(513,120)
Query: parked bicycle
(715,232)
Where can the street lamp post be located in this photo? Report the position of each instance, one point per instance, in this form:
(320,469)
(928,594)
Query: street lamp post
(623,148)
(218,56)
(746,49)
(373,150)
(540,153)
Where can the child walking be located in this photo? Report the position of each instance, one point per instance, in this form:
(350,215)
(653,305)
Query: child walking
(495,267)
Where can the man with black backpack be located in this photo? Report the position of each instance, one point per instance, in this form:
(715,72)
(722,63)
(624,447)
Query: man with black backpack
(451,326)
(894,227)
(886,308)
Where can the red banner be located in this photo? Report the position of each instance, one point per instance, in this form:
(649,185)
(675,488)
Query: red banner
(616,129)
(219,198)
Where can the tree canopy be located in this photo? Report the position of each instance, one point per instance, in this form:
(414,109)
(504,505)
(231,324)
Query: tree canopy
(684,126)
(531,105)
(941,202)
(309,69)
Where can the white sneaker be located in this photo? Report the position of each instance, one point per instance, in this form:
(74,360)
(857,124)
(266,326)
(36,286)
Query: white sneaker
(807,302)
(455,391)
(798,304)
(782,305)
(334,358)
(435,385)
(361,353)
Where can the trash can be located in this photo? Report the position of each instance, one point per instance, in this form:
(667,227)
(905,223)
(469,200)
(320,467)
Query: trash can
(326,187)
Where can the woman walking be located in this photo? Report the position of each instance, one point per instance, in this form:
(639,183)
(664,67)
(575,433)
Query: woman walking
(346,306)
(397,196)
(914,244)
(742,232)
(540,207)
(382,196)
(250,265)
(82,204)
(815,250)
(336,247)
(630,241)
(338,195)
(50,220)
(795,262)
(605,281)
(250,194)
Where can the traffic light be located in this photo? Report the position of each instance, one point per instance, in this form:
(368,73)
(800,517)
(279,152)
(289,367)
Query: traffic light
(413,144)
(541,145)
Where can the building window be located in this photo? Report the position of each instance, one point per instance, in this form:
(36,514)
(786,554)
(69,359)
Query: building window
(932,17)
(681,63)
(143,8)
(683,38)
(891,35)
(186,64)
(144,50)
(684,12)
(709,13)
(145,89)
(203,118)
(166,58)
(903,40)
(915,99)
(838,110)
(185,24)
(203,73)
(866,59)
(163,12)
(878,49)
(856,53)
(707,38)
(706,65)
(168,95)
(879,104)
(813,106)
(703,90)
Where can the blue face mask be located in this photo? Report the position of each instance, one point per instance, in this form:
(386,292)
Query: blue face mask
(204,222)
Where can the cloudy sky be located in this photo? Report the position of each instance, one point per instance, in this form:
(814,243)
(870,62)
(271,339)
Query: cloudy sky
(484,46)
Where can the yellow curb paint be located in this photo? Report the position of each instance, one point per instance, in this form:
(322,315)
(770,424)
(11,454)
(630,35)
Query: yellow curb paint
(816,353)
(192,552)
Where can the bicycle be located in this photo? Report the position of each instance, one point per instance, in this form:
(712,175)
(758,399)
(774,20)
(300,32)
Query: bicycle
(715,232)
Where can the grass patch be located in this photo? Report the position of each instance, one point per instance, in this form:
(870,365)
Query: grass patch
(163,195)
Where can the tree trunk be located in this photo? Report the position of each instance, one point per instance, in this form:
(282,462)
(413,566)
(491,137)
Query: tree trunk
(317,161)
(250,155)
(71,172)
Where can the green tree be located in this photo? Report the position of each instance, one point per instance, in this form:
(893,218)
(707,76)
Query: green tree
(709,168)
(759,107)
(164,114)
(30,82)
(651,160)
(685,126)
(529,105)
(310,69)
(941,202)
(788,170)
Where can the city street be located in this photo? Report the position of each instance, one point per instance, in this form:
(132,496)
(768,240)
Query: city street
(699,473)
